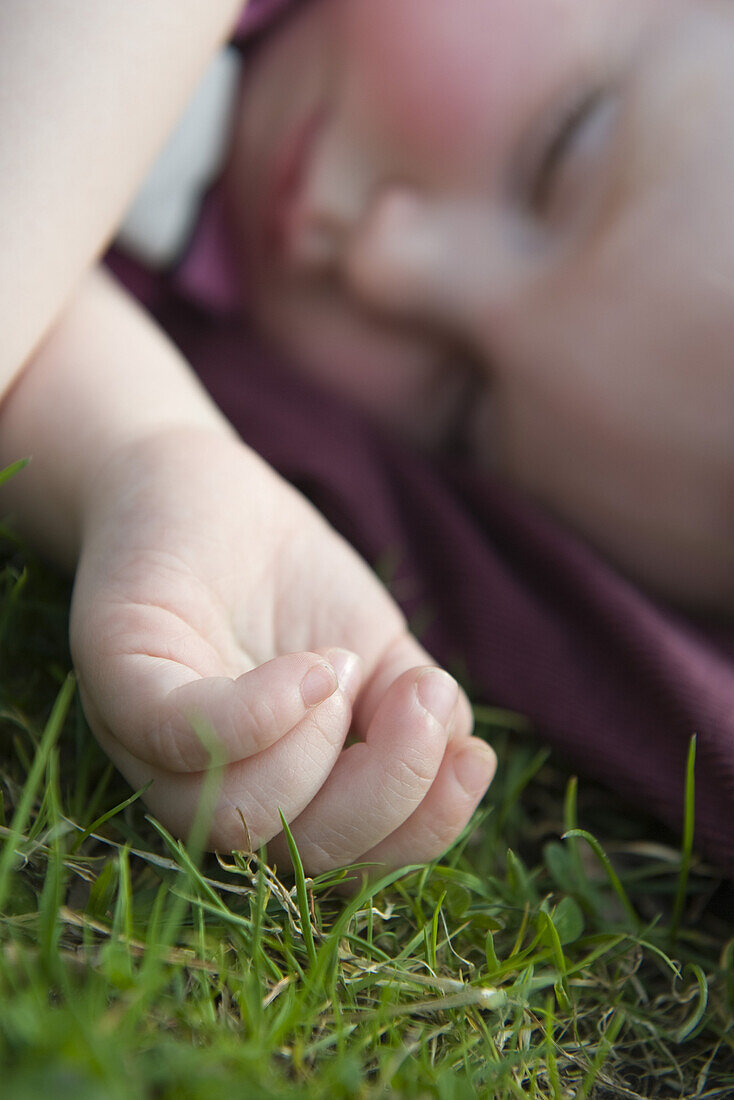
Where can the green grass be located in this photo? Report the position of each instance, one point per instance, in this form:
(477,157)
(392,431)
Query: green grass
(521,964)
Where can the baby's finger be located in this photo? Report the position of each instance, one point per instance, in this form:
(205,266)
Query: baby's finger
(402,656)
(247,796)
(376,785)
(181,723)
(466,772)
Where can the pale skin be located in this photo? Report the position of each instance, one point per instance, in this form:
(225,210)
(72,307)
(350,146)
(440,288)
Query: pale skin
(208,589)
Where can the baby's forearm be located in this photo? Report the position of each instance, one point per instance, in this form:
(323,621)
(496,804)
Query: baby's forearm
(88,94)
(104,378)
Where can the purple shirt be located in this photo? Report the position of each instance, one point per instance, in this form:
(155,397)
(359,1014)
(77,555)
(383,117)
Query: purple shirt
(259,12)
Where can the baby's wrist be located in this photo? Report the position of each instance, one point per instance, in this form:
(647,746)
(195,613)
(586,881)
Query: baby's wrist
(142,464)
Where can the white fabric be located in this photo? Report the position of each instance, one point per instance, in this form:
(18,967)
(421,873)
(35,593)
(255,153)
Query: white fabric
(161,218)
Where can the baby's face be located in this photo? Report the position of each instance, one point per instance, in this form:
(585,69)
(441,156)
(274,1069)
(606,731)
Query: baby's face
(535,193)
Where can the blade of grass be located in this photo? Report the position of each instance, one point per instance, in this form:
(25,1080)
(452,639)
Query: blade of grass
(197,836)
(38,768)
(612,875)
(13,469)
(688,1029)
(689,824)
(51,896)
(550,1051)
(432,934)
(605,1047)
(562,990)
(79,840)
(301,893)
(497,718)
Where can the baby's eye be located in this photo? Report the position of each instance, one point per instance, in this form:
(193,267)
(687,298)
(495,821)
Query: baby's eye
(573,155)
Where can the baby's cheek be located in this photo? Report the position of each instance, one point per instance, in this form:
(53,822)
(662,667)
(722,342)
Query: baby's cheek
(413,75)
(447,79)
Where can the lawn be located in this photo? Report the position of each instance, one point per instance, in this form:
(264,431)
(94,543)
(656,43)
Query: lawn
(521,964)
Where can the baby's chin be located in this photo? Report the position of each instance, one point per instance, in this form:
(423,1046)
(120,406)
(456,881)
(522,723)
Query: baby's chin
(430,413)
(424,402)
(405,383)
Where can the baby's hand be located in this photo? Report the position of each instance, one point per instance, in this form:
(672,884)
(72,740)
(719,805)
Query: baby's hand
(210,594)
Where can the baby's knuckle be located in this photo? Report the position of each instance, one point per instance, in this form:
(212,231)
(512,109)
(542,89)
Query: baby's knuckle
(408,772)
(174,742)
(321,856)
(317,753)
(260,721)
(330,723)
(436,835)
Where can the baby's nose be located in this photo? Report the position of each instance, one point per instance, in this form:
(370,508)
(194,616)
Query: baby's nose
(396,255)
(444,261)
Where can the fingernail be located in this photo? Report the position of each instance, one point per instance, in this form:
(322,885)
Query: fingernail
(438,693)
(348,668)
(475,767)
(319,683)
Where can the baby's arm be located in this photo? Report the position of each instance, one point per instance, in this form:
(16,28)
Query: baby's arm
(88,92)
(208,588)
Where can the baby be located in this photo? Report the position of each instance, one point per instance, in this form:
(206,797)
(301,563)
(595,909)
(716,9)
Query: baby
(514,218)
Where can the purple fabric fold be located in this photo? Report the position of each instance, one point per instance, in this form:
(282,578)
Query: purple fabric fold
(258,13)
(539,621)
